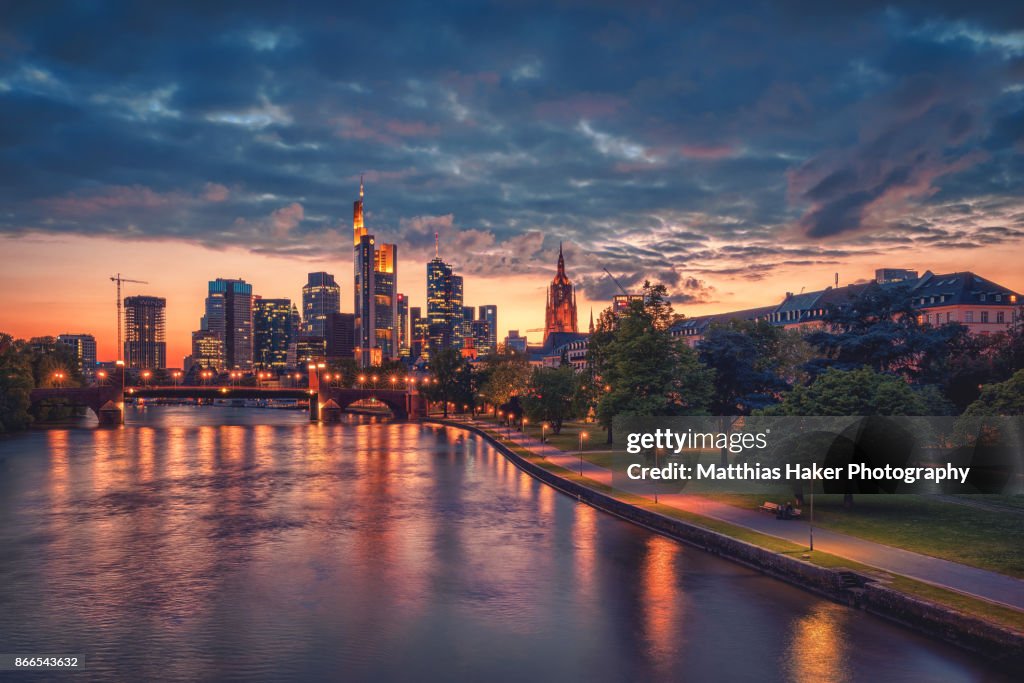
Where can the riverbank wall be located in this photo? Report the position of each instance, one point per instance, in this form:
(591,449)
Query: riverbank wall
(993,641)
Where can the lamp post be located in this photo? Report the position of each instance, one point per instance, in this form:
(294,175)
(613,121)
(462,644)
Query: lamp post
(656,467)
(374,380)
(583,435)
(146,374)
(177,376)
(120,364)
(101,377)
(362,381)
(811,526)
(543,430)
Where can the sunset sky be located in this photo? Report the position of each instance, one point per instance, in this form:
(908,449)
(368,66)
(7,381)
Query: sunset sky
(733,151)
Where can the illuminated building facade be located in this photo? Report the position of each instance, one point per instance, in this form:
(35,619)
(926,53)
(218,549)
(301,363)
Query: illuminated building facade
(207,351)
(321,296)
(403,326)
(419,333)
(444,305)
(145,347)
(489,314)
(560,315)
(272,333)
(229,316)
(375,271)
(84,348)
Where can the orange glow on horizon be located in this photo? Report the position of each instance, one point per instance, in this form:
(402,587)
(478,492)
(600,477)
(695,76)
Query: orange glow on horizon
(60,284)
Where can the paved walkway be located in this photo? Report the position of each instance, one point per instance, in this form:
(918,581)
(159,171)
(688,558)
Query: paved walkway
(980,583)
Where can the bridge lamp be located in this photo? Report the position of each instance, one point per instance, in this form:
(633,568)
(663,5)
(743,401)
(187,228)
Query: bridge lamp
(393,380)
(362,380)
(374,378)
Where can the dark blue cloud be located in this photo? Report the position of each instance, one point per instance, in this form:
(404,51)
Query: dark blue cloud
(660,138)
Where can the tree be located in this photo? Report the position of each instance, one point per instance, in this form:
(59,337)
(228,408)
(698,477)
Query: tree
(15,386)
(854,392)
(644,370)
(1004,398)
(503,376)
(747,363)
(880,329)
(448,378)
(551,396)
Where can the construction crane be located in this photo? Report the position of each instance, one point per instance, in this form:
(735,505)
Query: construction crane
(118,279)
(615,281)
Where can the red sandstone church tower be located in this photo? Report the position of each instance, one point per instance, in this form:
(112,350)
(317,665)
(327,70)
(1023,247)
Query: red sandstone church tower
(561,311)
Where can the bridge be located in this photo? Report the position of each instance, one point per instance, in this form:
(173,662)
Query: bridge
(325,403)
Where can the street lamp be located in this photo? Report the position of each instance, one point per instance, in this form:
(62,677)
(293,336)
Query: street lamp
(811,526)
(362,381)
(522,425)
(543,429)
(120,364)
(583,435)
(177,376)
(374,378)
(146,374)
(101,375)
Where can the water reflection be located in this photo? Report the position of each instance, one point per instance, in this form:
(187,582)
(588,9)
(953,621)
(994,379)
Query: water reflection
(192,545)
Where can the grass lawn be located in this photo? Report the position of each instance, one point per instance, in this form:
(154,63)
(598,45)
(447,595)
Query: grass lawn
(974,536)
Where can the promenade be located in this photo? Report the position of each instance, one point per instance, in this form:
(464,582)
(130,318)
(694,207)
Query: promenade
(980,583)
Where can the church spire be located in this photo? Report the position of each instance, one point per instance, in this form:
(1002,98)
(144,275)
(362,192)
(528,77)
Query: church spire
(591,320)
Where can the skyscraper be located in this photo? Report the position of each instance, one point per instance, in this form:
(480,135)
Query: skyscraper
(84,348)
(229,316)
(444,304)
(340,335)
(376,295)
(420,333)
(489,313)
(145,347)
(272,332)
(207,351)
(403,326)
(560,315)
(321,296)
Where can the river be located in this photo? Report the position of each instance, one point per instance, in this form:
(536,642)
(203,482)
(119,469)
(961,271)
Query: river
(208,543)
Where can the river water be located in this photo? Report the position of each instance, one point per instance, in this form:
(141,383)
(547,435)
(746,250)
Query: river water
(204,543)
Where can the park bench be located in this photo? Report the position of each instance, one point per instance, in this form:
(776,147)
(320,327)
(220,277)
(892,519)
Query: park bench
(776,509)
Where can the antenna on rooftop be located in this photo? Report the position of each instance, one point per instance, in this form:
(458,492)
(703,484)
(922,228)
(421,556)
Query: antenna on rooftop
(837,280)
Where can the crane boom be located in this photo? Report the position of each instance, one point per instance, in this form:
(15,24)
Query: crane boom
(621,289)
(118,279)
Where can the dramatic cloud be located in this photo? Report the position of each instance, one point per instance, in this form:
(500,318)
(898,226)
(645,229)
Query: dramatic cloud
(694,145)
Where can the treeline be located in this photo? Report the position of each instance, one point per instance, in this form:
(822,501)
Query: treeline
(872,356)
(25,365)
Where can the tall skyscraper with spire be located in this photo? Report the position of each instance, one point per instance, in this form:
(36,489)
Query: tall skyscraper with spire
(561,308)
(376,294)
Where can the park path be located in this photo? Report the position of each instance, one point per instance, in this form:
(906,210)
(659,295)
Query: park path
(973,581)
